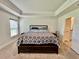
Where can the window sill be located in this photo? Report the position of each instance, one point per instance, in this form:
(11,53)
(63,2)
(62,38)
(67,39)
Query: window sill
(16,36)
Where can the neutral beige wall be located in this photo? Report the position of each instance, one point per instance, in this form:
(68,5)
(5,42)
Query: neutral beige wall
(61,20)
(50,21)
(75,35)
(5,26)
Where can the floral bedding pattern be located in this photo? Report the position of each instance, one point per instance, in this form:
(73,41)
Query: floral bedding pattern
(37,38)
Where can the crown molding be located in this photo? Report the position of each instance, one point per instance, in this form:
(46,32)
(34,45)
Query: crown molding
(26,14)
(9,10)
(67,4)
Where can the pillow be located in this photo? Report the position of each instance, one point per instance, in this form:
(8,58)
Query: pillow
(38,30)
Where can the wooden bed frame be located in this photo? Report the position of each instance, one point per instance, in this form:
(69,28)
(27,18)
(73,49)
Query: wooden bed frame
(38,48)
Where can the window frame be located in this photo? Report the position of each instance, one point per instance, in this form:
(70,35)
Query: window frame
(17,29)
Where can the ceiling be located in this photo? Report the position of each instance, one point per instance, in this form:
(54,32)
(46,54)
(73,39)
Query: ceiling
(38,6)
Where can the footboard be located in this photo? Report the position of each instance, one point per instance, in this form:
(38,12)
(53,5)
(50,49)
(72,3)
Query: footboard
(38,48)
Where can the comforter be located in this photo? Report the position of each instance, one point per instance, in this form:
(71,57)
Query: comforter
(37,38)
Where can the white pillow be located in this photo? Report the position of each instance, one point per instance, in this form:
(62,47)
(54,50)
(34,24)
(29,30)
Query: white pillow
(38,30)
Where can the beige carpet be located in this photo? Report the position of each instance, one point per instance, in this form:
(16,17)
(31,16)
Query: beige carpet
(10,52)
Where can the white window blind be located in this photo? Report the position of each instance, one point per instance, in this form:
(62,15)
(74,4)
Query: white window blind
(13,27)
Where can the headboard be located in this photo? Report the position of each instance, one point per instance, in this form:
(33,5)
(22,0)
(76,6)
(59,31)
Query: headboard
(38,27)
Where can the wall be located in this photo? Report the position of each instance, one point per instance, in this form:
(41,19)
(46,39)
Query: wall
(40,20)
(61,21)
(5,26)
(61,24)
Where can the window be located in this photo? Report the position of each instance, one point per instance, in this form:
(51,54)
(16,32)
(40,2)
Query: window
(13,27)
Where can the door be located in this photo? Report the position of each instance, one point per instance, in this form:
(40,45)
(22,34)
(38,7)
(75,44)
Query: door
(67,37)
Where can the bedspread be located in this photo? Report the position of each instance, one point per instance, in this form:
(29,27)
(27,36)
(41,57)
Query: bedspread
(37,38)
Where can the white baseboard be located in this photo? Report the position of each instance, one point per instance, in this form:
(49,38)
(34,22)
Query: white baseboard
(77,52)
(6,44)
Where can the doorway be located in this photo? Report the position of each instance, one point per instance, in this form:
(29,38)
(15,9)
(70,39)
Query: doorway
(75,36)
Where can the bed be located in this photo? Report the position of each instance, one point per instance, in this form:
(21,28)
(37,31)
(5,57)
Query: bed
(38,40)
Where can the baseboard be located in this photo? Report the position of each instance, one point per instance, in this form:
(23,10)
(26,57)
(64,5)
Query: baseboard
(74,51)
(6,44)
